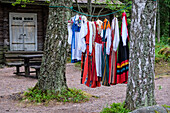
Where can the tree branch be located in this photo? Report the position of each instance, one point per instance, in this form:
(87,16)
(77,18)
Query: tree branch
(93,12)
(100,12)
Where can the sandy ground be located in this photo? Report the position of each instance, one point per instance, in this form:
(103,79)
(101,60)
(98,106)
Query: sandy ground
(10,84)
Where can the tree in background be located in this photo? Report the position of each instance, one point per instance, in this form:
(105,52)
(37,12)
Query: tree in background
(158,21)
(140,87)
(164,8)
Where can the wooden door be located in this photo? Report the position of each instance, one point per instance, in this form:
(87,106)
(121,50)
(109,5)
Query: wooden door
(23,32)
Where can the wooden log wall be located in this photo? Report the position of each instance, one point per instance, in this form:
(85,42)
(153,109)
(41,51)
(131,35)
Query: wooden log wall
(42,16)
(1,34)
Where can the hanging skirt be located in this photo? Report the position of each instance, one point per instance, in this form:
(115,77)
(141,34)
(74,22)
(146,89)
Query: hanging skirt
(122,63)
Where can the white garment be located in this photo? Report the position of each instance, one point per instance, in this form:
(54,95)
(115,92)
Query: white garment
(76,53)
(83,33)
(70,33)
(109,38)
(99,24)
(94,31)
(98,58)
(115,27)
(124,31)
(91,37)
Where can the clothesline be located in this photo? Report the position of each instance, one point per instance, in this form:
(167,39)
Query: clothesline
(103,54)
(91,15)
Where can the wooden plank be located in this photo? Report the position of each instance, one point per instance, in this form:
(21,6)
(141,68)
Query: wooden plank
(21,60)
(1,48)
(1,44)
(1,57)
(1,52)
(2,61)
(24,52)
(40,33)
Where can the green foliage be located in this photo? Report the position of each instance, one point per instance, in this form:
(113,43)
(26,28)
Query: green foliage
(78,64)
(159,87)
(67,95)
(116,108)
(166,106)
(114,6)
(22,2)
(69,59)
(164,6)
(164,43)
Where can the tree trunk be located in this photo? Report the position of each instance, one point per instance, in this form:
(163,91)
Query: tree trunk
(52,72)
(140,87)
(89,8)
(158,22)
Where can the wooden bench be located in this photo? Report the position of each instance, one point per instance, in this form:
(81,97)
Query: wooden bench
(17,65)
(37,68)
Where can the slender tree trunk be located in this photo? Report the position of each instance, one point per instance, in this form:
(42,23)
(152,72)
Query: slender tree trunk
(52,72)
(140,87)
(89,8)
(158,22)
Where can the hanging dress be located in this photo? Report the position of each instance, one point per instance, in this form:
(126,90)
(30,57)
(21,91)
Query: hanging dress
(75,52)
(123,53)
(106,37)
(82,43)
(87,66)
(113,51)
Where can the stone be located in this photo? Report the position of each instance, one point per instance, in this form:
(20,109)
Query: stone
(151,109)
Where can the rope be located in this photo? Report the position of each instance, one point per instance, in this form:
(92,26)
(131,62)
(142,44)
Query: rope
(90,15)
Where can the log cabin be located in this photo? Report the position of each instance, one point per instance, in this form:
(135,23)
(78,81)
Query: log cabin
(22,29)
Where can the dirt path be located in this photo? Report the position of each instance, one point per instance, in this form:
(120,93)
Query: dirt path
(10,83)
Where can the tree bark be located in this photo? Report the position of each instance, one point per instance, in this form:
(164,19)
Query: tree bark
(140,87)
(89,8)
(52,71)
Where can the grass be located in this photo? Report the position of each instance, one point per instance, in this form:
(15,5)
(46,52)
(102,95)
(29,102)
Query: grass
(77,64)
(119,108)
(165,41)
(67,95)
(116,108)
(166,106)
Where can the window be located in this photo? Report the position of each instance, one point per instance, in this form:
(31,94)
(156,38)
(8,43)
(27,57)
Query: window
(28,18)
(17,18)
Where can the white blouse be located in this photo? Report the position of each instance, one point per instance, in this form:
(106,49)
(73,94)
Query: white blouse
(108,36)
(124,31)
(115,27)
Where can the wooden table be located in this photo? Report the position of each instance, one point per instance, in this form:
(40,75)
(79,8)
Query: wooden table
(27,61)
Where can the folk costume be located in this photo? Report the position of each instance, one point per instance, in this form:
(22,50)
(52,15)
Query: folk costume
(98,49)
(73,38)
(123,53)
(113,51)
(82,43)
(106,37)
(96,42)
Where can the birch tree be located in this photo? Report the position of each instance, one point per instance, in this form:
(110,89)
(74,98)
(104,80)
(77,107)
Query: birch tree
(140,87)
(52,71)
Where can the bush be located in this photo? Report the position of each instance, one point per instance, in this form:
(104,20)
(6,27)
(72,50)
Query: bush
(116,108)
(160,48)
(67,95)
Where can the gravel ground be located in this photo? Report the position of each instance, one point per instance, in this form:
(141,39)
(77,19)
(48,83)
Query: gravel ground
(10,84)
